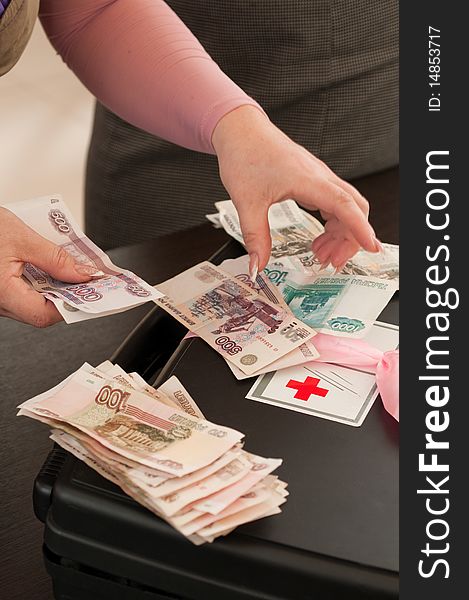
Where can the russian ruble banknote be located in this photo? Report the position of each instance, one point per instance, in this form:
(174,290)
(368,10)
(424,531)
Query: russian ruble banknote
(340,305)
(271,494)
(293,231)
(173,389)
(233,318)
(214,220)
(133,424)
(112,290)
(239,268)
(204,499)
(172,392)
(383,265)
(197,520)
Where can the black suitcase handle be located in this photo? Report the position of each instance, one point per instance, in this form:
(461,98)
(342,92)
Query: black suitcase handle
(148,347)
(45,479)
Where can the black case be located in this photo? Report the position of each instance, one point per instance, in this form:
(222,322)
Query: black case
(337,536)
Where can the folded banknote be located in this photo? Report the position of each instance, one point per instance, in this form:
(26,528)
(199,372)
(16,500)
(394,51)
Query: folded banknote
(113,290)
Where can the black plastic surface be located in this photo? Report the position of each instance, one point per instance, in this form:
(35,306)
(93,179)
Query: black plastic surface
(145,353)
(45,481)
(96,529)
(336,537)
(73,581)
(343,481)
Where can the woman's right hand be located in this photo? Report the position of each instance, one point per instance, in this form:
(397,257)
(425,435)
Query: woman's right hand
(19,244)
(261,165)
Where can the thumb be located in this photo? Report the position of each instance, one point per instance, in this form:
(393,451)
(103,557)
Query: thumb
(54,260)
(256,233)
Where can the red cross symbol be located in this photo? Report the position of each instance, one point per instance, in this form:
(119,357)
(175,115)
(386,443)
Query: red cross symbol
(308,387)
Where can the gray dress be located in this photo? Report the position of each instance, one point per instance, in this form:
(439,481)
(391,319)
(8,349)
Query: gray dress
(325,71)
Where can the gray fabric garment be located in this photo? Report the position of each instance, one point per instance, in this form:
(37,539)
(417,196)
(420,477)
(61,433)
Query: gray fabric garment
(325,71)
(16,26)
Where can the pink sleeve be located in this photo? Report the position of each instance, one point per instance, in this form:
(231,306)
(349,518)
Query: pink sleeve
(140,60)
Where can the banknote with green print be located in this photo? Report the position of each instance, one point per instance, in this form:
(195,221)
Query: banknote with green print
(340,305)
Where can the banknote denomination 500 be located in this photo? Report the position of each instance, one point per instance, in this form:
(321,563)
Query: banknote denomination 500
(113,291)
(233,318)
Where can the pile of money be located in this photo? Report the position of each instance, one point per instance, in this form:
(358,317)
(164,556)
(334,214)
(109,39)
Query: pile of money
(158,447)
(270,323)
(112,290)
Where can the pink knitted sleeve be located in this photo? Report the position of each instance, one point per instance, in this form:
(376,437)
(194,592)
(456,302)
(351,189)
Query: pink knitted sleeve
(140,60)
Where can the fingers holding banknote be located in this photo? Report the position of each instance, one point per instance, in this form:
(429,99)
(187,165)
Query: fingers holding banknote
(335,246)
(260,165)
(19,244)
(19,301)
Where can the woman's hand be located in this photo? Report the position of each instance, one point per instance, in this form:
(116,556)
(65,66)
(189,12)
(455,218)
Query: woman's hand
(20,244)
(260,165)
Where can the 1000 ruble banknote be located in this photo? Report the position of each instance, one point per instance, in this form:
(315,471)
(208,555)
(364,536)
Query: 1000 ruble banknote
(336,304)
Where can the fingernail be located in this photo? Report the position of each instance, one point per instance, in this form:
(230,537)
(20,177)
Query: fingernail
(253,267)
(87,270)
(324,266)
(339,269)
(378,245)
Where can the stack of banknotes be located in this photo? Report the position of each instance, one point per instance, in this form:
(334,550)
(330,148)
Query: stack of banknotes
(158,447)
(112,290)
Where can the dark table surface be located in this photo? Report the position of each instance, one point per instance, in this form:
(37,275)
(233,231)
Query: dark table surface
(32,361)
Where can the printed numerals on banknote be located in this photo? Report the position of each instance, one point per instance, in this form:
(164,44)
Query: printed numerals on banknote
(245,328)
(158,448)
(239,267)
(340,305)
(113,290)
